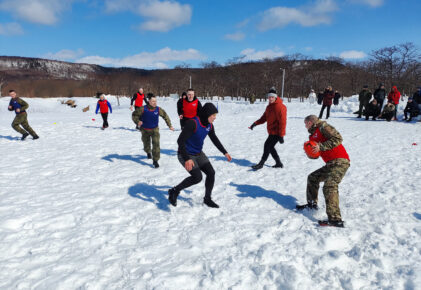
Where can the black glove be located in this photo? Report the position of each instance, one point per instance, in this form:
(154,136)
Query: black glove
(252,126)
(281,140)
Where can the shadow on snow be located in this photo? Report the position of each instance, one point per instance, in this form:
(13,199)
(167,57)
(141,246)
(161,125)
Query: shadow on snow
(417,215)
(240,162)
(9,138)
(155,194)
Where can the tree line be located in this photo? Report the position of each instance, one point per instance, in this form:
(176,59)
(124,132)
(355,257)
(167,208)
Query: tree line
(398,65)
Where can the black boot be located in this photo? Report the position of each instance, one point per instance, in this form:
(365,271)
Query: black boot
(24,136)
(310,205)
(35,137)
(278,163)
(149,155)
(258,165)
(155,164)
(172,196)
(210,203)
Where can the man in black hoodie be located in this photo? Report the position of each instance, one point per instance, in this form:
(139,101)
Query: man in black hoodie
(190,154)
(380,94)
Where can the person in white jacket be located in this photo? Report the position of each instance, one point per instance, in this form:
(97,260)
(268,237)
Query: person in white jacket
(312,97)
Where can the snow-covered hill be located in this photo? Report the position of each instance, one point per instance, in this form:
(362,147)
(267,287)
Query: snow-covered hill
(83,208)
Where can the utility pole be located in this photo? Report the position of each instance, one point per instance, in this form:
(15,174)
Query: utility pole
(190,83)
(283,82)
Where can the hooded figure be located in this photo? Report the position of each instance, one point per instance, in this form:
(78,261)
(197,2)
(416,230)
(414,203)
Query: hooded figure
(193,159)
(394,96)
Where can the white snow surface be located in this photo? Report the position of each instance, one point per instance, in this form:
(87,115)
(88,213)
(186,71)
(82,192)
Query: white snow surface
(82,208)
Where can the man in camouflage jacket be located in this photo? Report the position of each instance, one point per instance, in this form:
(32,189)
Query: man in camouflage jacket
(329,143)
(364,97)
(148,124)
(20,106)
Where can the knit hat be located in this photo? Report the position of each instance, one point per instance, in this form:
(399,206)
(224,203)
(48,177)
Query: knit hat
(207,110)
(410,98)
(272,92)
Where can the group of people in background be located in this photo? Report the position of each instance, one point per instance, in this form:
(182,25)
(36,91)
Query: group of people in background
(379,104)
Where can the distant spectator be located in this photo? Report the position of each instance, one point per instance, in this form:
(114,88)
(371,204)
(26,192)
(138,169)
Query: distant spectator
(394,97)
(373,110)
(320,97)
(417,97)
(336,98)
(312,97)
(380,94)
(328,96)
(412,109)
(388,111)
(364,98)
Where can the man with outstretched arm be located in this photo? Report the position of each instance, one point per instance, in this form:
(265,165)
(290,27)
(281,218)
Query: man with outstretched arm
(191,156)
(148,124)
(329,143)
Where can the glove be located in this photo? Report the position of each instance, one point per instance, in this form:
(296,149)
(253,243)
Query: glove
(252,126)
(281,140)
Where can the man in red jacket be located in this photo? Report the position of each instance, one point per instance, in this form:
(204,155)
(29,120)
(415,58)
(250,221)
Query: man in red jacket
(329,144)
(394,96)
(328,96)
(276,117)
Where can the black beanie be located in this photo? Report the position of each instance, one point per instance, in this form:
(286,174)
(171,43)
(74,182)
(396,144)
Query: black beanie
(207,110)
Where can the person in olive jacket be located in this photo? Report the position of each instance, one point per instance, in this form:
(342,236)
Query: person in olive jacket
(20,106)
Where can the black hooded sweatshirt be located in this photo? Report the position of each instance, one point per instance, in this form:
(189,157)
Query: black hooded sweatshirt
(207,110)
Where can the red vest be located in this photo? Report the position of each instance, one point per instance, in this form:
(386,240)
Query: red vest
(190,108)
(335,153)
(103,106)
(139,100)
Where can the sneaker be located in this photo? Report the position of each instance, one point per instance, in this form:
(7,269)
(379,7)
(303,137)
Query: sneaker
(210,203)
(331,223)
(258,166)
(311,205)
(172,196)
(35,137)
(149,156)
(155,164)
(24,136)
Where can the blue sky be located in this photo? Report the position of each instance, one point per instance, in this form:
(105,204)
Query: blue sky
(161,34)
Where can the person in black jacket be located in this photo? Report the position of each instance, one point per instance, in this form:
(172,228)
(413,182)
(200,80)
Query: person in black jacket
(380,94)
(336,98)
(417,97)
(320,96)
(373,109)
(190,154)
(180,108)
(188,107)
(412,109)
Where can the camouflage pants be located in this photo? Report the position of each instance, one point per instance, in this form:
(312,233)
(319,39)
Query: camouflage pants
(147,137)
(331,174)
(136,115)
(22,120)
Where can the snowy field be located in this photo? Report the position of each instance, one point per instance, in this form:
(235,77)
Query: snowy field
(83,208)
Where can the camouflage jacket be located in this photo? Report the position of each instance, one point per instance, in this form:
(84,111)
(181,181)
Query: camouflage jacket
(364,96)
(389,108)
(162,114)
(329,132)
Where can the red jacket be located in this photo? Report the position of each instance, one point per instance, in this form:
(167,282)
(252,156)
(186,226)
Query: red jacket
(394,96)
(328,97)
(329,155)
(276,117)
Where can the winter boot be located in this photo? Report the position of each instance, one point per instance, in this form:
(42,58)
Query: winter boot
(210,203)
(310,205)
(172,196)
(149,156)
(24,136)
(35,137)
(278,164)
(331,223)
(155,164)
(258,165)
